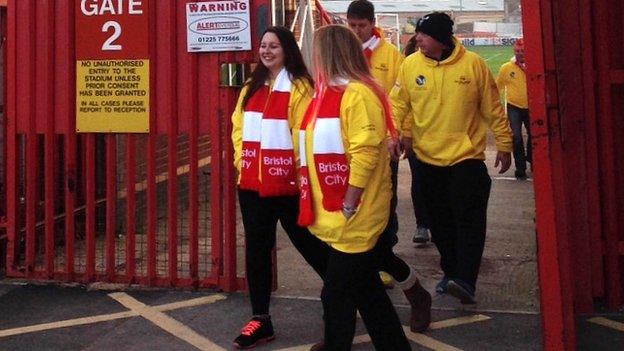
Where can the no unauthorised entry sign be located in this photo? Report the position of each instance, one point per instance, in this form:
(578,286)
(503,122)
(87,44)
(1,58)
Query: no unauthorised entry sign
(112,66)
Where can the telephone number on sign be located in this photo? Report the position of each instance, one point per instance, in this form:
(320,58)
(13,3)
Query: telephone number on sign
(218,39)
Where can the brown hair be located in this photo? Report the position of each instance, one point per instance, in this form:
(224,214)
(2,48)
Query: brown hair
(293,61)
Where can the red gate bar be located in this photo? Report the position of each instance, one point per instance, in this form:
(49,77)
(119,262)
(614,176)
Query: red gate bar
(66,225)
(557,315)
(604,44)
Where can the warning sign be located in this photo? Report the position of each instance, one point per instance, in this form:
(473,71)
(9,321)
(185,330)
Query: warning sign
(112,96)
(112,66)
(218,26)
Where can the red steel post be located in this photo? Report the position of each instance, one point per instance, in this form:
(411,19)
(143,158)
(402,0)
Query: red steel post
(557,315)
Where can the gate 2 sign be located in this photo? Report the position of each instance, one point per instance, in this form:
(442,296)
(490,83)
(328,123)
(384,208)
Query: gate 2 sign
(112,66)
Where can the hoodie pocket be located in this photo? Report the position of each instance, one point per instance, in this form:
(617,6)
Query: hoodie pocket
(445,146)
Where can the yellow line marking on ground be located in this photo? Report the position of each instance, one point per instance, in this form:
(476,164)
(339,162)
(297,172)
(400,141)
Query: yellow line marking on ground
(66,323)
(418,338)
(165,322)
(428,342)
(204,300)
(458,321)
(607,323)
(297,348)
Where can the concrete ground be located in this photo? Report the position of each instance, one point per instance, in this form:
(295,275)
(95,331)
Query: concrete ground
(506,316)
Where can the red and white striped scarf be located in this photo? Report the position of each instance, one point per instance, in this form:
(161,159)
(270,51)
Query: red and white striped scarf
(332,168)
(267,156)
(371,44)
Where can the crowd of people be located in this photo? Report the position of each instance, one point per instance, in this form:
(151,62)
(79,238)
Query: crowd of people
(319,153)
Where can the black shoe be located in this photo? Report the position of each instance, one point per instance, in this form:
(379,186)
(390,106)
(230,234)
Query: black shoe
(520,175)
(442,285)
(421,236)
(257,331)
(462,291)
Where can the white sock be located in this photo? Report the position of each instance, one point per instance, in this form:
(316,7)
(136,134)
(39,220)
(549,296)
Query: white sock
(409,281)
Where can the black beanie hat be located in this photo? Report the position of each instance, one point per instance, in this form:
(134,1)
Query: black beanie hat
(437,25)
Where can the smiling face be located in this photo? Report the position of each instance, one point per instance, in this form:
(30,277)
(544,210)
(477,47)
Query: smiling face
(271,53)
(362,27)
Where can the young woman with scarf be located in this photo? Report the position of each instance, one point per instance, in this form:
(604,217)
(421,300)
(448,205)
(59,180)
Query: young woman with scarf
(345,189)
(271,104)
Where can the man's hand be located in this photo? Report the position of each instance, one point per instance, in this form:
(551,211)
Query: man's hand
(504,159)
(394,148)
(406,145)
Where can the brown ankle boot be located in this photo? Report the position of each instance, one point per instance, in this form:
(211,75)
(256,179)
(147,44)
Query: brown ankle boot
(420,300)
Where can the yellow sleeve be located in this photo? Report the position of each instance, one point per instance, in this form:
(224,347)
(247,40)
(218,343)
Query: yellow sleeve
(493,111)
(501,80)
(406,128)
(300,98)
(400,102)
(237,128)
(364,127)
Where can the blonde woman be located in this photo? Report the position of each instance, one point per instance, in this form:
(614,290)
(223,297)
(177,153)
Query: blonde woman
(345,189)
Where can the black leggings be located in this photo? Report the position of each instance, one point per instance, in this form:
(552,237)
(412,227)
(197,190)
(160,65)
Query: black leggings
(352,283)
(260,216)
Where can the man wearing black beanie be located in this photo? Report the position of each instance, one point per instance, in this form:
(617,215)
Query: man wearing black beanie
(450,97)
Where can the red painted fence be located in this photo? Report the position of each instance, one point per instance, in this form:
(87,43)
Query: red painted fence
(576,94)
(154,209)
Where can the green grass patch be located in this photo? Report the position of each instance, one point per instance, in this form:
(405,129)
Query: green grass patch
(494,56)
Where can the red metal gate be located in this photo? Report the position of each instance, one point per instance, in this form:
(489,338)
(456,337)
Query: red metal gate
(576,77)
(152,209)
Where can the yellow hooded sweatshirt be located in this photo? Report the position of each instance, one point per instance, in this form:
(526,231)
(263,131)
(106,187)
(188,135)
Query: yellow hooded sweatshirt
(363,134)
(511,81)
(451,104)
(300,96)
(384,64)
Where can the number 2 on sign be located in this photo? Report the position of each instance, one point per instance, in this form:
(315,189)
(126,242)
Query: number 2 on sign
(108,44)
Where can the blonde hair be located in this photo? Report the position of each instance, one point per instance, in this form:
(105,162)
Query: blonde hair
(338,54)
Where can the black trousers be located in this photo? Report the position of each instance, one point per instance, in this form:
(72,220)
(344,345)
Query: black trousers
(352,283)
(387,260)
(518,117)
(260,217)
(457,198)
(418,201)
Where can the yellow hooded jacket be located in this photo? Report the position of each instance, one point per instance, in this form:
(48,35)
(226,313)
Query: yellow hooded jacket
(300,96)
(384,64)
(363,134)
(511,80)
(451,104)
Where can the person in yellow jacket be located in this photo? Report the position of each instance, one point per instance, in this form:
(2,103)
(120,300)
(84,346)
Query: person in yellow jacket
(384,61)
(345,190)
(511,81)
(270,105)
(451,98)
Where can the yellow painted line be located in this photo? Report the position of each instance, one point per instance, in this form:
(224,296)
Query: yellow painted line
(108,317)
(418,338)
(428,342)
(190,303)
(297,348)
(607,323)
(66,323)
(165,322)
(458,321)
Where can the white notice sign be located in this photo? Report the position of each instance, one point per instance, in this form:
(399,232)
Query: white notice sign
(218,26)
